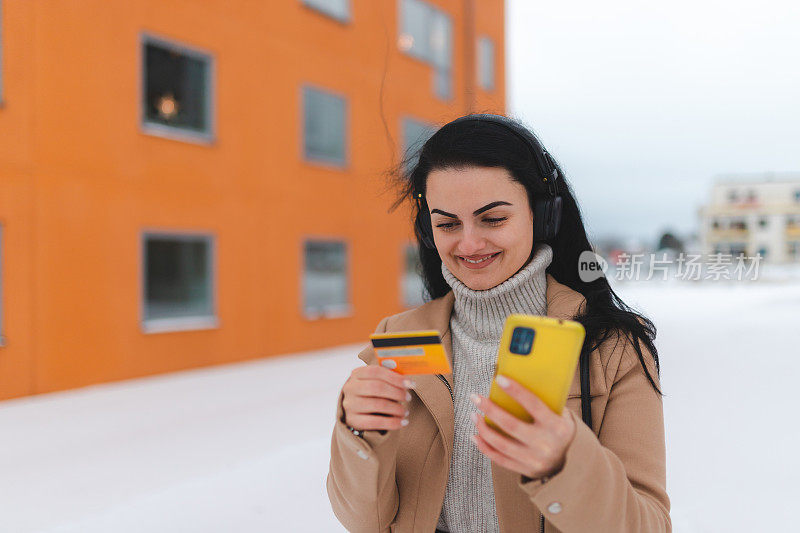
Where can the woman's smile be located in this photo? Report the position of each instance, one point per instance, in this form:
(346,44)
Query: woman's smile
(478,261)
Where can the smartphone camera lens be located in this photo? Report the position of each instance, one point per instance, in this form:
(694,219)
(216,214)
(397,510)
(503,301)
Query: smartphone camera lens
(521,341)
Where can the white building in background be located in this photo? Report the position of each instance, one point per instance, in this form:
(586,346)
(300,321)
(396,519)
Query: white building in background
(753,213)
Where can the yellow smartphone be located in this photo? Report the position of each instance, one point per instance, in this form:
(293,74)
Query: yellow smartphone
(541,353)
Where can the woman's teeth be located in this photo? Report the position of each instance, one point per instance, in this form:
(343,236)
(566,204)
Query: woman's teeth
(479,260)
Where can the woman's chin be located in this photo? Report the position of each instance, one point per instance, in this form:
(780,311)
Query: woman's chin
(478,281)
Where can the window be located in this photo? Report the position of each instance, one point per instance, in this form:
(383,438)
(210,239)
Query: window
(178,282)
(793,250)
(427,34)
(412,285)
(338,9)
(442,48)
(715,223)
(324,127)
(176,94)
(486,63)
(415,38)
(732,196)
(415,134)
(763,222)
(1,65)
(2,337)
(797,195)
(737,249)
(325,285)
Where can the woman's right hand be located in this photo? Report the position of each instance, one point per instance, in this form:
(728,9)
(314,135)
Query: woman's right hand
(376,398)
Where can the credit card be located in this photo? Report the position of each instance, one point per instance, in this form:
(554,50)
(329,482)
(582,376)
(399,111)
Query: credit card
(411,352)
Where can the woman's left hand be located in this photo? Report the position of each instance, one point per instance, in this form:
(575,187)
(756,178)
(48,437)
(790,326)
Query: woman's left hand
(538,448)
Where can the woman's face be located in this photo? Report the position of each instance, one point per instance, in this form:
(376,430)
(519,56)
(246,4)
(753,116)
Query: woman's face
(482,224)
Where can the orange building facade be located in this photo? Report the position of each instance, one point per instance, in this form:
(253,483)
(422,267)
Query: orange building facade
(170,173)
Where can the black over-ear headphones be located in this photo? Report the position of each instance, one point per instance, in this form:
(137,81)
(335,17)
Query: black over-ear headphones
(546,211)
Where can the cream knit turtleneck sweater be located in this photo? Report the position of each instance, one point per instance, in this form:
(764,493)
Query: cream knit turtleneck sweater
(476,323)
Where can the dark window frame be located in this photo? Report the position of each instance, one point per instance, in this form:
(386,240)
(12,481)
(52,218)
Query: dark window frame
(492,85)
(738,224)
(184,323)
(331,162)
(444,91)
(411,247)
(176,132)
(406,146)
(345,310)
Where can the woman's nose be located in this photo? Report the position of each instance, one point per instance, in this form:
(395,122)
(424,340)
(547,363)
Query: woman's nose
(472,241)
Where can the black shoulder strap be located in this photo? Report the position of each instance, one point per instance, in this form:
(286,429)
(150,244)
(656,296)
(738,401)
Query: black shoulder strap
(586,395)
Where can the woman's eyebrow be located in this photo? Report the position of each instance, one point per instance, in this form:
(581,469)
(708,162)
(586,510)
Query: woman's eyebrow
(445,213)
(474,213)
(489,206)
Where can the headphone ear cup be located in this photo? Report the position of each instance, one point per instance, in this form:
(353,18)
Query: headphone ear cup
(546,218)
(422,225)
(540,219)
(555,217)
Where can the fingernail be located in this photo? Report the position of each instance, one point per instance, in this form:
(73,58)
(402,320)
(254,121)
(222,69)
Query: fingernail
(406,413)
(475,398)
(473,439)
(404,422)
(408,396)
(502,381)
(408,383)
(474,417)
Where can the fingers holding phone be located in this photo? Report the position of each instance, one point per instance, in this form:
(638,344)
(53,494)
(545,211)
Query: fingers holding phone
(376,398)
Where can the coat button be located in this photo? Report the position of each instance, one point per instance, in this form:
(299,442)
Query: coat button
(554,508)
(362,454)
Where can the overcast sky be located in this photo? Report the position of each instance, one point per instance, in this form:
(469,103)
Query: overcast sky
(644,104)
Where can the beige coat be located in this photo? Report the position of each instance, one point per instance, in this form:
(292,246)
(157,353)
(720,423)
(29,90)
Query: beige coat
(612,481)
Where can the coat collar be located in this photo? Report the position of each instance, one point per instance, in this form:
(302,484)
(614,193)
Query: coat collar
(562,302)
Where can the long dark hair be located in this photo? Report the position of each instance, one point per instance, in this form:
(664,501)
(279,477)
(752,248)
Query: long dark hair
(486,144)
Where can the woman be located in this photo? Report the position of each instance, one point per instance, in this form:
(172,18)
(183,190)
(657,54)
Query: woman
(500,232)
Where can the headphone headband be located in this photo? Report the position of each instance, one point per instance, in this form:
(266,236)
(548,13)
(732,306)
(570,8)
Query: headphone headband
(546,211)
(544,161)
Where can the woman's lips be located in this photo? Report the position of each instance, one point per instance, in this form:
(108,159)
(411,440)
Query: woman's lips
(482,264)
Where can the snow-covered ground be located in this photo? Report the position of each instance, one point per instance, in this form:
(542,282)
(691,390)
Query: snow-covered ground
(245,447)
